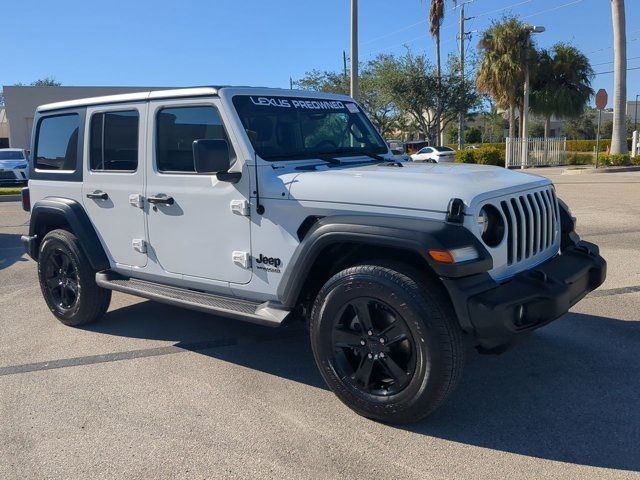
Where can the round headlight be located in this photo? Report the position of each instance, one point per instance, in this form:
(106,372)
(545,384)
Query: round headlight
(483,221)
(491,225)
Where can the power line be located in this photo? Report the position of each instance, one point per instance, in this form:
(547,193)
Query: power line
(445,27)
(503,8)
(575,2)
(394,32)
(609,48)
(609,63)
(612,71)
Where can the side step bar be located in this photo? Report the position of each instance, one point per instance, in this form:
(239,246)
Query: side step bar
(265,313)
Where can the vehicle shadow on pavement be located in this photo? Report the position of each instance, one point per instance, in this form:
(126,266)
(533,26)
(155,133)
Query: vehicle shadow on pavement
(570,392)
(11,250)
(284,351)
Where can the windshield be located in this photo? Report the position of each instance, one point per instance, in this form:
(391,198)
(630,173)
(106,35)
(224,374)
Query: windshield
(289,127)
(11,155)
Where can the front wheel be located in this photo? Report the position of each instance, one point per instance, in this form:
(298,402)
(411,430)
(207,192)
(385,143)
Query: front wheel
(387,342)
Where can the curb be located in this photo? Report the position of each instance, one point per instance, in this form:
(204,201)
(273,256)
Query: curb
(10,198)
(581,171)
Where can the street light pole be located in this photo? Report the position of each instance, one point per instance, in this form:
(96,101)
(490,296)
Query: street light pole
(525,104)
(635,116)
(355,87)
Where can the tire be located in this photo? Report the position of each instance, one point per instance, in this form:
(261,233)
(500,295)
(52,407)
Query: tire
(68,282)
(412,366)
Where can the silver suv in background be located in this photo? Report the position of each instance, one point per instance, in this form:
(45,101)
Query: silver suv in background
(14,165)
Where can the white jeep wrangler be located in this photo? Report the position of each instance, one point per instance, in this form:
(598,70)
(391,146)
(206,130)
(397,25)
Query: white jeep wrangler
(267,205)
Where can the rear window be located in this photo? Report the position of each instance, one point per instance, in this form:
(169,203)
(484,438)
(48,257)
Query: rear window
(11,155)
(114,141)
(57,142)
(443,149)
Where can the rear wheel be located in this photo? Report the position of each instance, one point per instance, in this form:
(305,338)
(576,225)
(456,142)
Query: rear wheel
(68,282)
(387,342)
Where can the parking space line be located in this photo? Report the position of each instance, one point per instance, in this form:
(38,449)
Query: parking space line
(117,356)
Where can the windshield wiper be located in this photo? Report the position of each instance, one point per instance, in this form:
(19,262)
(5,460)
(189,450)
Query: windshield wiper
(353,153)
(329,159)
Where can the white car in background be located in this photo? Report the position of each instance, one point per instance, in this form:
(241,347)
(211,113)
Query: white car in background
(14,165)
(434,155)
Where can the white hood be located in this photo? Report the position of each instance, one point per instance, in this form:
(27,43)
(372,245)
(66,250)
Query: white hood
(413,186)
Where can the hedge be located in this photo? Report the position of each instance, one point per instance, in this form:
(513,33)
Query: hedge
(617,160)
(485,155)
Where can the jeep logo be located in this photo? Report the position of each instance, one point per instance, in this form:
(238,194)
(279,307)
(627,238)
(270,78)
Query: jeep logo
(272,261)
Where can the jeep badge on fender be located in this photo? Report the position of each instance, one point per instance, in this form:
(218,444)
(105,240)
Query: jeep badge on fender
(391,281)
(266,262)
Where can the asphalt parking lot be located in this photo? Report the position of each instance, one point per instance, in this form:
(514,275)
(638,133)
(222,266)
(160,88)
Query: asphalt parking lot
(152,391)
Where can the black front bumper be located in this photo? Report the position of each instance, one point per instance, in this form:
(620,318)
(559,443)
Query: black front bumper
(497,313)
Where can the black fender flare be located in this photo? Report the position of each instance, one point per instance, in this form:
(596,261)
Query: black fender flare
(52,210)
(414,235)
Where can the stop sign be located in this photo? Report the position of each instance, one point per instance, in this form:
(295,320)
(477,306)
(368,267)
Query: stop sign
(601,99)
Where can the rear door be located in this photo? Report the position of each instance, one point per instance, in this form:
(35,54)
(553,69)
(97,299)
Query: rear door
(114,180)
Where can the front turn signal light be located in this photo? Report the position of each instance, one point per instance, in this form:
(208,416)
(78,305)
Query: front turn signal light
(442,256)
(456,255)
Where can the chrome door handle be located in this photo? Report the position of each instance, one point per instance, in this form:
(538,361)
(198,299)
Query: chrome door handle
(98,195)
(163,199)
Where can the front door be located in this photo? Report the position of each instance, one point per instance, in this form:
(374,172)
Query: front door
(194,232)
(113,177)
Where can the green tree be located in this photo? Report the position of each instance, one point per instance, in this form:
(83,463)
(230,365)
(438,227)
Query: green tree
(537,130)
(505,52)
(473,135)
(561,84)
(412,82)
(492,124)
(374,100)
(582,127)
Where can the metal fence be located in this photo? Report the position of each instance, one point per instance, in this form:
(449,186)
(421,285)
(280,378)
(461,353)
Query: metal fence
(542,152)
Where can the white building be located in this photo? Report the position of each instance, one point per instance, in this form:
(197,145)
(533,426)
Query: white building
(21,103)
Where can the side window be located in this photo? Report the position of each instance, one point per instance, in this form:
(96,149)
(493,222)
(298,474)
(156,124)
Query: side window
(57,144)
(176,130)
(114,141)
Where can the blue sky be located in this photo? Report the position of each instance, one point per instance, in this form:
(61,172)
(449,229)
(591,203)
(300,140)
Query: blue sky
(257,42)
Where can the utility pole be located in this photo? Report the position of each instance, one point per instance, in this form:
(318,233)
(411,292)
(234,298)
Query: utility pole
(525,104)
(355,87)
(462,35)
(461,114)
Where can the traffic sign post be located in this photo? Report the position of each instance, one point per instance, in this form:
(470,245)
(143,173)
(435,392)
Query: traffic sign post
(601,103)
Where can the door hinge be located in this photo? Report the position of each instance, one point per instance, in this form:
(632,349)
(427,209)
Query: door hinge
(240,207)
(242,259)
(136,200)
(139,245)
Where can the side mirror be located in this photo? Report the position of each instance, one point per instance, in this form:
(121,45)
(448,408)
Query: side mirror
(212,156)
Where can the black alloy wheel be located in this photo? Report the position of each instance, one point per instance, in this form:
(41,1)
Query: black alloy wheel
(61,278)
(374,350)
(386,341)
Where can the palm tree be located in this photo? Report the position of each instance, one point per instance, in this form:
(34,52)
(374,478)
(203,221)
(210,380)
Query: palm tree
(619,137)
(506,50)
(436,16)
(561,83)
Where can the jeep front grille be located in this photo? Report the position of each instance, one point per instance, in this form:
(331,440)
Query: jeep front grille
(532,223)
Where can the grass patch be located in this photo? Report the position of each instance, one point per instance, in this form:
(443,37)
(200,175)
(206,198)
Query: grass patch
(10,190)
